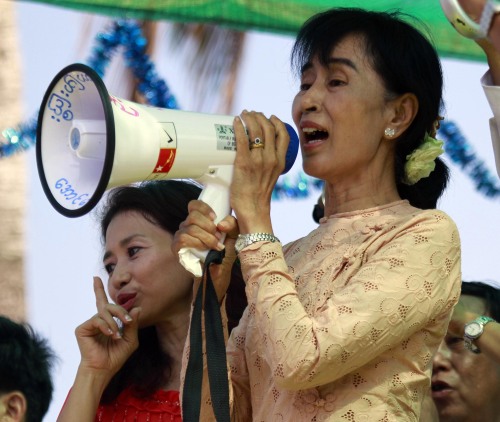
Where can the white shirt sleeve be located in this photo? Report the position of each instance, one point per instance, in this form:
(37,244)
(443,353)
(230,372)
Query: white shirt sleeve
(492,93)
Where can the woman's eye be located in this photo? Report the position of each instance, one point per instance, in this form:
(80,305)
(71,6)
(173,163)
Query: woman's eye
(336,82)
(133,250)
(304,87)
(109,268)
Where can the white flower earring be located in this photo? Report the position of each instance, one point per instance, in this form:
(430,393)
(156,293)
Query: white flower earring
(389,132)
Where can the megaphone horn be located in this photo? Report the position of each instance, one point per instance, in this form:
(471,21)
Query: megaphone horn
(89,141)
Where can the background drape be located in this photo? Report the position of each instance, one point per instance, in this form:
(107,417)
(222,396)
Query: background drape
(276,16)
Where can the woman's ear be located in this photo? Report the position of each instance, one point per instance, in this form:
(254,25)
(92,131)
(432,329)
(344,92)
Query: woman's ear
(403,110)
(13,407)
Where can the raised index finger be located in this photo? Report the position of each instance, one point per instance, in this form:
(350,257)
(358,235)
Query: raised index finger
(101,300)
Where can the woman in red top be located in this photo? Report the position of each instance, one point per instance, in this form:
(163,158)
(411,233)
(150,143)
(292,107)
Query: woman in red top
(131,349)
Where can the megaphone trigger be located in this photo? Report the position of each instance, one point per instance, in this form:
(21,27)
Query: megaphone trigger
(89,141)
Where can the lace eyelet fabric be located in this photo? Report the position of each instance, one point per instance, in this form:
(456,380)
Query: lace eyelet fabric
(342,324)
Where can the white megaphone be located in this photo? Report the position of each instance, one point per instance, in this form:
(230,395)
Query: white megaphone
(89,141)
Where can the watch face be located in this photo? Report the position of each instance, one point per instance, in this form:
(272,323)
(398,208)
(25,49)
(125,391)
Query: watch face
(473,329)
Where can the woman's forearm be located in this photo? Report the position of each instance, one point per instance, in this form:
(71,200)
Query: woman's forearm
(83,400)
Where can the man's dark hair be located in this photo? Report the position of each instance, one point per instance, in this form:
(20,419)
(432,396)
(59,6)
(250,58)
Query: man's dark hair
(489,294)
(26,362)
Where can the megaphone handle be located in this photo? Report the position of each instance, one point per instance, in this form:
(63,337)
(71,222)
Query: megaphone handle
(216,194)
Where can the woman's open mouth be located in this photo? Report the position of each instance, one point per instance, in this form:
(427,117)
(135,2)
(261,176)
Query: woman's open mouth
(313,135)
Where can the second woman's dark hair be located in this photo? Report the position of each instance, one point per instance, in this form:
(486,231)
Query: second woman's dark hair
(406,62)
(163,203)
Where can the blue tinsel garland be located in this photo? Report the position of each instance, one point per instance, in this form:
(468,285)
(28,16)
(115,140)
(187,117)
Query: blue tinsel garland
(122,33)
(129,34)
(462,154)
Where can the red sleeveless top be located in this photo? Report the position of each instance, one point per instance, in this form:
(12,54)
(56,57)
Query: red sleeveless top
(163,406)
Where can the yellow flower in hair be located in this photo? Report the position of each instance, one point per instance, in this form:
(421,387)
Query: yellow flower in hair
(421,162)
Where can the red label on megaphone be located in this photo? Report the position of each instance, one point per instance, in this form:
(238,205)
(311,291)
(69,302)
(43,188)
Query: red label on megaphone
(165,160)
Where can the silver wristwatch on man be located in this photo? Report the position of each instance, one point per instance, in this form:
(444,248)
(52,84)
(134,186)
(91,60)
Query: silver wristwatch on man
(244,240)
(473,331)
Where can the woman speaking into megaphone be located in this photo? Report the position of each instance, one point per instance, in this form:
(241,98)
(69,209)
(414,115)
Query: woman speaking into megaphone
(341,324)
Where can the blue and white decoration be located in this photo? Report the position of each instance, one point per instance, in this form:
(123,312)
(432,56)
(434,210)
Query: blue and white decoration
(128,34)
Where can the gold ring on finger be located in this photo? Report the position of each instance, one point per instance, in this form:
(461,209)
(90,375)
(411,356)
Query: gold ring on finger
(257,143)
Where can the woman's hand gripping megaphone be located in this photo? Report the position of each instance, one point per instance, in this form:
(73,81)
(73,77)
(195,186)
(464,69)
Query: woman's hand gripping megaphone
(216,193)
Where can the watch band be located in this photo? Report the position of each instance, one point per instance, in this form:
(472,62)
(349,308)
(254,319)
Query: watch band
(244,240)
(491,8)
(468,339)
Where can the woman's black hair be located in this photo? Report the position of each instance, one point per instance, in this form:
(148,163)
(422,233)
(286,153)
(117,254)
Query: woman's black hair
(162,202)
(165,204)
(407,63)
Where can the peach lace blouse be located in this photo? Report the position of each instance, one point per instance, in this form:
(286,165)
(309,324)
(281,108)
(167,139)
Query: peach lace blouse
(342,324)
